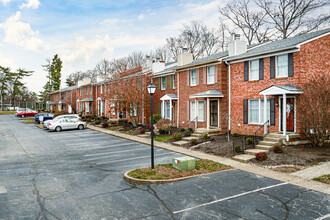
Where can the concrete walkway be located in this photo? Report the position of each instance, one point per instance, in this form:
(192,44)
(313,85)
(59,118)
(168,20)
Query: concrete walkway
(295,180)
(315,171)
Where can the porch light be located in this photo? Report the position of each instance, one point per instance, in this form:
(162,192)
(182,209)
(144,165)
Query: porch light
(151,89)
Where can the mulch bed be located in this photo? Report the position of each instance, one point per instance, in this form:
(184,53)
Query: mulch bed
(166,171)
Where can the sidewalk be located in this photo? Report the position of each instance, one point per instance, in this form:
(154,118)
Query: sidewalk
(295,180)
(315,171)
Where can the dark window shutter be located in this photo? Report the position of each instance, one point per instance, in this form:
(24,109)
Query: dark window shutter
(159,108)
(165,82)
(261,68)
(246,70)
(272,111)
(171,87)
(245,111)
(159,82)
(290,64)
(272,67)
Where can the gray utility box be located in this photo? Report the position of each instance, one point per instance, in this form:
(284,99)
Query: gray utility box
(184,163)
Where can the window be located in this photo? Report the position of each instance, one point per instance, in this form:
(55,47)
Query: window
(192,110)
(167,109)
(163,83)
(173,82)
(282,66)
(80,106)
(87,105)
(133,110)
(200,106)
(193,78)
(101,89)
(112,109)
(80,92)
(254,70)
(86,90)
(256,111)
(90,90)
(102,107)
(210,74)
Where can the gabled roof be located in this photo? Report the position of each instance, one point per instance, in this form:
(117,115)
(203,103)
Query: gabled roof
(280,45)
(208,94)
(279,90)
(64,89)
(169,97)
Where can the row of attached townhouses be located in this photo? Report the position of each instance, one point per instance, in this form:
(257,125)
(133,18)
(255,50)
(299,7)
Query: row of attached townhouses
(240,90)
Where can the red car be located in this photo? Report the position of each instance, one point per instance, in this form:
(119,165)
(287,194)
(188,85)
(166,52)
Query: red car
(27,113)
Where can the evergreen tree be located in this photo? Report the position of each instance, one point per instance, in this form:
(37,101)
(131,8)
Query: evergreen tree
(55,73)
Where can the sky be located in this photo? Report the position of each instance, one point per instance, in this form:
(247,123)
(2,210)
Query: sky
(83,32)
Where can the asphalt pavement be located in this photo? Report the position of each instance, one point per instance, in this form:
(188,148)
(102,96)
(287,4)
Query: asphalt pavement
(79,175)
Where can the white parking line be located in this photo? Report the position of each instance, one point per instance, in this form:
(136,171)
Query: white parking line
(323,217)
(104,155)
(135,158)
(2,189)
(94,143)
(230,197)
(93,148)
(82,138)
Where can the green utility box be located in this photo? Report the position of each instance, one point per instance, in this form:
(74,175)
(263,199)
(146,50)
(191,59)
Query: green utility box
(183,163)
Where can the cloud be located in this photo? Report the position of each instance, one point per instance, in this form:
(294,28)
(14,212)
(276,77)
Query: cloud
(21,34)
(4,2)
(30,4)
(141,16)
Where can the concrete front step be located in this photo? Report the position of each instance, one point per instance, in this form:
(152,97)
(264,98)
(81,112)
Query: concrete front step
(180,143)
(254,151)
(245,158)
(269,143)
(279,135)
(264,147)
(189,138)
(277,140)
(197,135)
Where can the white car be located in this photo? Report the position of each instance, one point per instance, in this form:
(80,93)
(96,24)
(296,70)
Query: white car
(72,117)
(66,124)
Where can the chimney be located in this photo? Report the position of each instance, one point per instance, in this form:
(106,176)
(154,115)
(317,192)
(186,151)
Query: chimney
(148,64)
(157,59)
(236,46)
(185,57)
(158,65)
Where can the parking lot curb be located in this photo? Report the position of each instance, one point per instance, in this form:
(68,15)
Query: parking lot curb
(299,181)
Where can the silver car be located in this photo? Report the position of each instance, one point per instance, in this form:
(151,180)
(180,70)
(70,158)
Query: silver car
(72,117)
(66,124)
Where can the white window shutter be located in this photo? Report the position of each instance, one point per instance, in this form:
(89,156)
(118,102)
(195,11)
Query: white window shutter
(204,74)
(197,76)
(188,110)
(215,74)
(188,78)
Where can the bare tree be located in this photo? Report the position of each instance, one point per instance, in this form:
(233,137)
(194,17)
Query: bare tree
(174,46)
(292,17)
(135,59)
(103,69)
(163,53)
(248,21)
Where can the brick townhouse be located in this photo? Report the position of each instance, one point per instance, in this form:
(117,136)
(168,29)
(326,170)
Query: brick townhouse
(85,93)
(266,81)
(62,100)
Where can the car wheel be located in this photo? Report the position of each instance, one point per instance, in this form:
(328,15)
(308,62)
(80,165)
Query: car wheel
(80,127)
(23,116)
(58,128)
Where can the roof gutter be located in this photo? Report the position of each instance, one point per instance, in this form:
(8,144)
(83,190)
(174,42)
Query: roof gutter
(186,67)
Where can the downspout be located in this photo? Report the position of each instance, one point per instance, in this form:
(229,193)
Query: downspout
(229,96)
(178,92)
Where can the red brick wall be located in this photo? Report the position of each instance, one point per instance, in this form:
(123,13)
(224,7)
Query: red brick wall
(84,96)
(185,91)
(313,58)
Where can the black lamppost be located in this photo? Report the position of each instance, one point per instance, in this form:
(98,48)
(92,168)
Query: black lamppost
(151,90)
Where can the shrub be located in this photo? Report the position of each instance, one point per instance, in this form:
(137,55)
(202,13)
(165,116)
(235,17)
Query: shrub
(261,156)
(105,124)
(278,149)
(182,130)
(249,140)
(156,118)
(164,124)
(237,149)
(97,122)
(187,133)
(193,141)
(162,131)
(177,136)
(142,130)
(206,136)
(235,135)
(191,130)
(88,120)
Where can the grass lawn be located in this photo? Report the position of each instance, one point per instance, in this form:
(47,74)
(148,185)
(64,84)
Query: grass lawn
(29,121)
(164,138)
(7,112)
(114,128)
(131,132)
(166,171)
(323,179)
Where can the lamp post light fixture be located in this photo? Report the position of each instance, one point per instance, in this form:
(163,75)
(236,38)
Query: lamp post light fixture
(151,90)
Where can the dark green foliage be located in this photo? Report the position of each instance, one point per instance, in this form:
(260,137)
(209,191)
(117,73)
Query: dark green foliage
(105,124)
(193,141)
(237,149)
(191,130)
(89,120)
(187,133)
(97,122)
(249,140)
(235,135)
(206,136)
(162,131)
(177,136)
(182,130)
(156,118)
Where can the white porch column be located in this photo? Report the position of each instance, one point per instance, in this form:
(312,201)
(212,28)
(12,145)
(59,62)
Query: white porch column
(163,110)
(284,114)
(265,113)
(196,113)
(207,113)
(171,111)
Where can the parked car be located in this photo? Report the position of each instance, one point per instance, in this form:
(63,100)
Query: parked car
(19,110)
(73,117)
(27,113)
(66,124)
(47,116)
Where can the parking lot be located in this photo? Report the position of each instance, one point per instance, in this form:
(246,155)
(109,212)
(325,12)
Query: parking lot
(79,175)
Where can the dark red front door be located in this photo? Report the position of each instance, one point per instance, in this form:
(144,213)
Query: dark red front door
(289,114)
